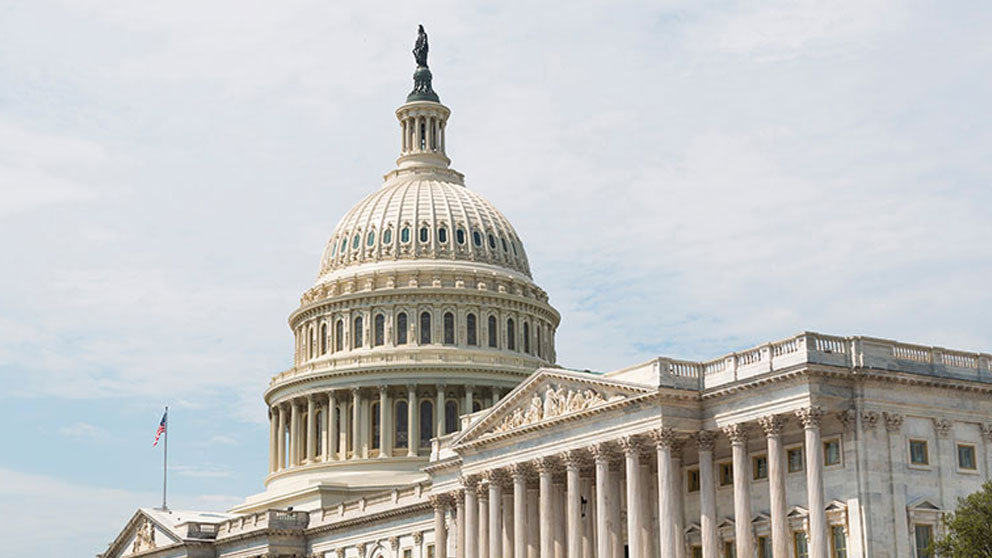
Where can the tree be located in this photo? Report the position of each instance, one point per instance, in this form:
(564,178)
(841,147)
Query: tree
(969,528)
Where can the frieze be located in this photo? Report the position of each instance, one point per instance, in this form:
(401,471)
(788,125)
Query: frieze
(556,401)
(144,538)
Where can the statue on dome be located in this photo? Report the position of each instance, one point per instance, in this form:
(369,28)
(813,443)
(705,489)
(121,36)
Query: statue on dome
(420,48)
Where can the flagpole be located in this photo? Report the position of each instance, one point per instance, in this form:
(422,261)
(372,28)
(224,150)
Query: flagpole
(165,458)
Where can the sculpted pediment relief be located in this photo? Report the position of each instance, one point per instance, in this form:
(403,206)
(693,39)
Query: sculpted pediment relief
(144,537)
(556,401)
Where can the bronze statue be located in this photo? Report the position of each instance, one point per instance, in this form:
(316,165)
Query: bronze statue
(420,48)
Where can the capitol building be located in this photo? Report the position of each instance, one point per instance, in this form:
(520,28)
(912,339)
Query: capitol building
(424,415)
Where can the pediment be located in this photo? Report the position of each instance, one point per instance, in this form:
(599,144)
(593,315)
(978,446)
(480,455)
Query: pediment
(797,512)
(923,504)
(547,397)
(143,533)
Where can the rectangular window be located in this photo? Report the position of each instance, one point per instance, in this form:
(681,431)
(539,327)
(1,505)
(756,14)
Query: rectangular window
(697,552)
(764,548)
(918,454)
(759,467)
(794,458)
(831,452)
(728,549)
(966,457)
(430,551)
(838,542)
(924,539)
(799,544)
(726,474)
(408,553)
(692,480)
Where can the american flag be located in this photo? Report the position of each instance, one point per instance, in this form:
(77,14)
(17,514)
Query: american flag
(161,429)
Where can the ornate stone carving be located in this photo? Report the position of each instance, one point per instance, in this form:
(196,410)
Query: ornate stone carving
(772,424)
(810,416)
(893,421)
(942,427)
(418,537)
(869,420)
(144,538)
(705,440)
(361,547)
(629,445)
(470,482)
(519,471)
(987,431)
(601,452)
(439,501)
(394,543)
(572,459)
(664,437)
(556,402)
(737,433)
(849,419)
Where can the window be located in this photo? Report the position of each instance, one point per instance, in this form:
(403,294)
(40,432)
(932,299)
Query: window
(526,337)
(918,452)
(966,457)
(831,452)
(358,333)
(838,542)
(759,467)
(401,424)
(334,249)
(692,480)
(401,328)
(311,345)
(728,549)
(764,548)
(476,406)
(423,137)
(405,235)
(726,474)
(697,551)
(450,416)
(370,239)
(426,422)
(449,328)
(476,238)
(514,246)
(424,234)
(799,545)
(492,332)
(460,236)
(510,334)
(387,236)
(794,459)
(344,244)
(471,330)
(319,442)
(924,540)
(503,241)
(375,424)
(355,241)
(408,553)
(442,235)
(380,330)
(339,335)
(425,328)
(492,241)
(540,344)
(430,551)
(323,339)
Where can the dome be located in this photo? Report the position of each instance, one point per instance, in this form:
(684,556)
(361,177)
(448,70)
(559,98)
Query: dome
(423,216)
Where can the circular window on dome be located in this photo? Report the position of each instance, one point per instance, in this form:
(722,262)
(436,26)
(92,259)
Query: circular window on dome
(387,236)
(405,235)
(424,234)
(370,240)
(477,238)
(492,242)
(503,241)
(355,241)
(442,235)
(460,236)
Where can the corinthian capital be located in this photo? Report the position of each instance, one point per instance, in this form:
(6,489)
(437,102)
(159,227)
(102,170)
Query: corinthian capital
(629,445)
(601,452)
(664,437)
(893,421)
(772,425)
(737,433)
(810,416)
(705,440)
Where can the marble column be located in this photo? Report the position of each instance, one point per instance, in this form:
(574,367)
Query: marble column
(356,423)
(507,527)
(311,454)
(545,468)
(483,496)
(604,527)
(707,495)
(273,440)
(294,434)
(664,438)
(281,439)
(772,425)
(412,436)
(810,419)
(573,493)
(616,532)
(439,411)
(519,474)
(632,462)
(333,444)
(440,504)
(495,516)
(678,519)
(471,547)
(533,523)
(559,521)
(384,437)
(743,538)
(460,524)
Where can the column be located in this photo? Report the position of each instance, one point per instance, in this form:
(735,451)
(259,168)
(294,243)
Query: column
(343,430)
(519,474)
(663,439)
(678,519)
(508,532)
(897,483)
(483,495)
(558,497)
(331,451)
(810,419)
(439,411)
(384,437)
(412,439)
(281,439)
(649,531)
(616,533)
(632,462)
(439,502)
(469,394)
(273,444)
(495,516)
(573,504)
(545,467)
(772,425)
(364,429)
(356,423)
(294,434)
(604,527)
(533,523)
(707,495)
(471,547)
(743,539)
(311,429)
(460,524)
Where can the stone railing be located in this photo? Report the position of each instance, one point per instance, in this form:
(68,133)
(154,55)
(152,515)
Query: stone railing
(815,348)
(197,530)
(282,520)
(371,504)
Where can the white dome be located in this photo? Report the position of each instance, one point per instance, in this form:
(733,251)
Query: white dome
(423,214)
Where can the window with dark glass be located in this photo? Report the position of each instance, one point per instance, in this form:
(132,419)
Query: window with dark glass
(492,242)
(401,328)
(726,472)
(442,235)
(966,457)
(344,244)
(374,411)
(527,337)
(924,540)
(918,454)
(510,335)
(697,551)
(470,330)
(370,240)
(425,328)
(800,545)
(424,234)
(380,330)
(503,242)
(514,246)
(476,406)
(493,339)
(460,236)
(450,416)
(334,249)
(477,238)
(319,443)
(838,542)
(358,333)
(311,343)
(405,235)
(759,467)
(692,480)
(449,328)
(729,549)
(387,236)
(426,422)
(323,339)
(831,452)
(355,241)
(402,429)
(794,459)
(764,548)
(339,335)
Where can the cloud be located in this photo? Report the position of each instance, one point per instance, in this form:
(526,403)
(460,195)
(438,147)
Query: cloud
(82,430)
(202,471)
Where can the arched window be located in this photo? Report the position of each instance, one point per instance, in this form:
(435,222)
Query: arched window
(425,328)
(380,330)
(493,333)
(387,236)
(476,238)
(302,430)
(401,424)
(311,345)
(358,333)
(449,328)
(355,241)
(442,235)
(344,244)
(323,338)
(460,236)
(492,242)
(450,416)
(527,337)
(370,240)
(401,328)
(339,335)
(374,411)
(405,235)
(540,342)
(514,246)
(424,234)
(426,422)
(503,241)
(319,443)
(471,338)
(510,334)
(334,249)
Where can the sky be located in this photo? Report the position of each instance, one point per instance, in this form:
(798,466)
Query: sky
(689,178)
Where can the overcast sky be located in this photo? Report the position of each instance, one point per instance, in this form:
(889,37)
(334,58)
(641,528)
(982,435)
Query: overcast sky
(689,179)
